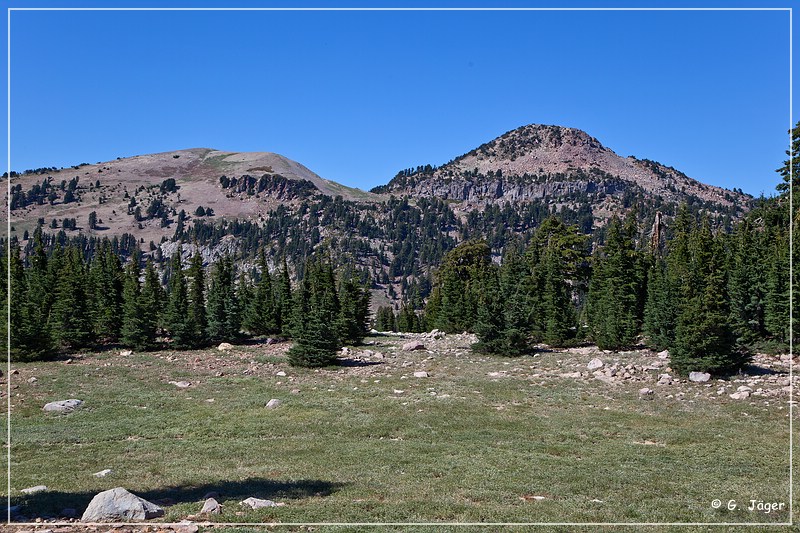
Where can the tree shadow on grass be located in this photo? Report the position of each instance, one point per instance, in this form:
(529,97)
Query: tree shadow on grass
(50,504)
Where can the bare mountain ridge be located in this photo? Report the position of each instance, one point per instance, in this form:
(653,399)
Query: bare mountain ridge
(552,162)
(557,166)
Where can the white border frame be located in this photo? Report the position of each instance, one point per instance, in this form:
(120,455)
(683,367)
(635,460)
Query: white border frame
(412,524)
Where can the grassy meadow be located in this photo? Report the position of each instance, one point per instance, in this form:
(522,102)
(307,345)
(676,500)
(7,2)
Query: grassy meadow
(481,439)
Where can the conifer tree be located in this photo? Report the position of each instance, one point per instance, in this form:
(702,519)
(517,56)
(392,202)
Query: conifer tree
(459,281)
(613,291)
(261,316)
(559,314)
(490,323)
(704,340)
(71,317)
(106,282)
(133,323)
(316,311)
(151,300)
(284,301)
(176,313)
(354,310)
(776,314)
(224,319)
(31,339)
(198,323)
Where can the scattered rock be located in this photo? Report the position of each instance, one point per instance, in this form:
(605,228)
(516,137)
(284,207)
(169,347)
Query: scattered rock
(570,375)
(211,506)
(699,377)
(34,490)
(224,346)
(126,353)
(273,403)
(119,504)
(663,355)
(412,346)
(181,384)
(63,406)
(741,395)
(255,503)
(281,373)
(646,394)
(103,473)
(421,374)
(32,379)
(594,364)
(665,379)
(744,388)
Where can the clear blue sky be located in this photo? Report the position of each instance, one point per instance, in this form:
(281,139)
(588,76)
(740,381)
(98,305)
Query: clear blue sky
(357,96)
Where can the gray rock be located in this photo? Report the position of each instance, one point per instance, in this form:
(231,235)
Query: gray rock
(181,384)
(34,490)
(211,506)
(255,503)
(63,406)
(646,394)
(126,353)
(663,355)
(224,346)
(412,346)
(103,473)
(594,364)
(119,505)
(699,377)
(741,395)
(33,379)
(421,374)
(665,379)
(273,403)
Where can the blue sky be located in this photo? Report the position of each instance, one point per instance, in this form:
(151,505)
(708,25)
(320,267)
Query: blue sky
(357,96)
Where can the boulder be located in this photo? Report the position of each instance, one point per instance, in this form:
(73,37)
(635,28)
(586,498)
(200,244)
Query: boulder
(255,503)
(413,346)
(646,394)
(126,353)
(34,490)
(103,473)
(224,346)
(119,505)
(421,374)
(211,506)
(740,395)
(594,364)
(273,403)
(665,379)
(699,377)
(63,406)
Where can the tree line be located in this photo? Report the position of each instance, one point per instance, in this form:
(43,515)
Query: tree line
(66,301)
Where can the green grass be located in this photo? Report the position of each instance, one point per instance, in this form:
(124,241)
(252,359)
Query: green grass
(344,448)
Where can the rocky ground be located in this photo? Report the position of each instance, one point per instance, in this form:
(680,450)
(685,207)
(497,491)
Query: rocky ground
(422,359)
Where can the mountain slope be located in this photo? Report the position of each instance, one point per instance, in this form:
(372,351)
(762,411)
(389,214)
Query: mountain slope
(562,165)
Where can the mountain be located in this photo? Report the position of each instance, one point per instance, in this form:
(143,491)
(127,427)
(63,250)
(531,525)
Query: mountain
(564,166)
(237,202)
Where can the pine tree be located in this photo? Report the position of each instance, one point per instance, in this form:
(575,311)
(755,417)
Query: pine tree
(459,280)
(614,291)
(133,324)
(316,310)
(261,316)
(354,310)
(71,319)
(106,282)
(151,299)
(704,340)
(746,285)
(176,314)
(224,319)
(661,313)
(284,301)
(31,339)
(198,323)
(490,324)
(776,314)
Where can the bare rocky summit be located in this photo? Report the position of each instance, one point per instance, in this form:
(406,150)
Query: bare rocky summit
(554,163)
